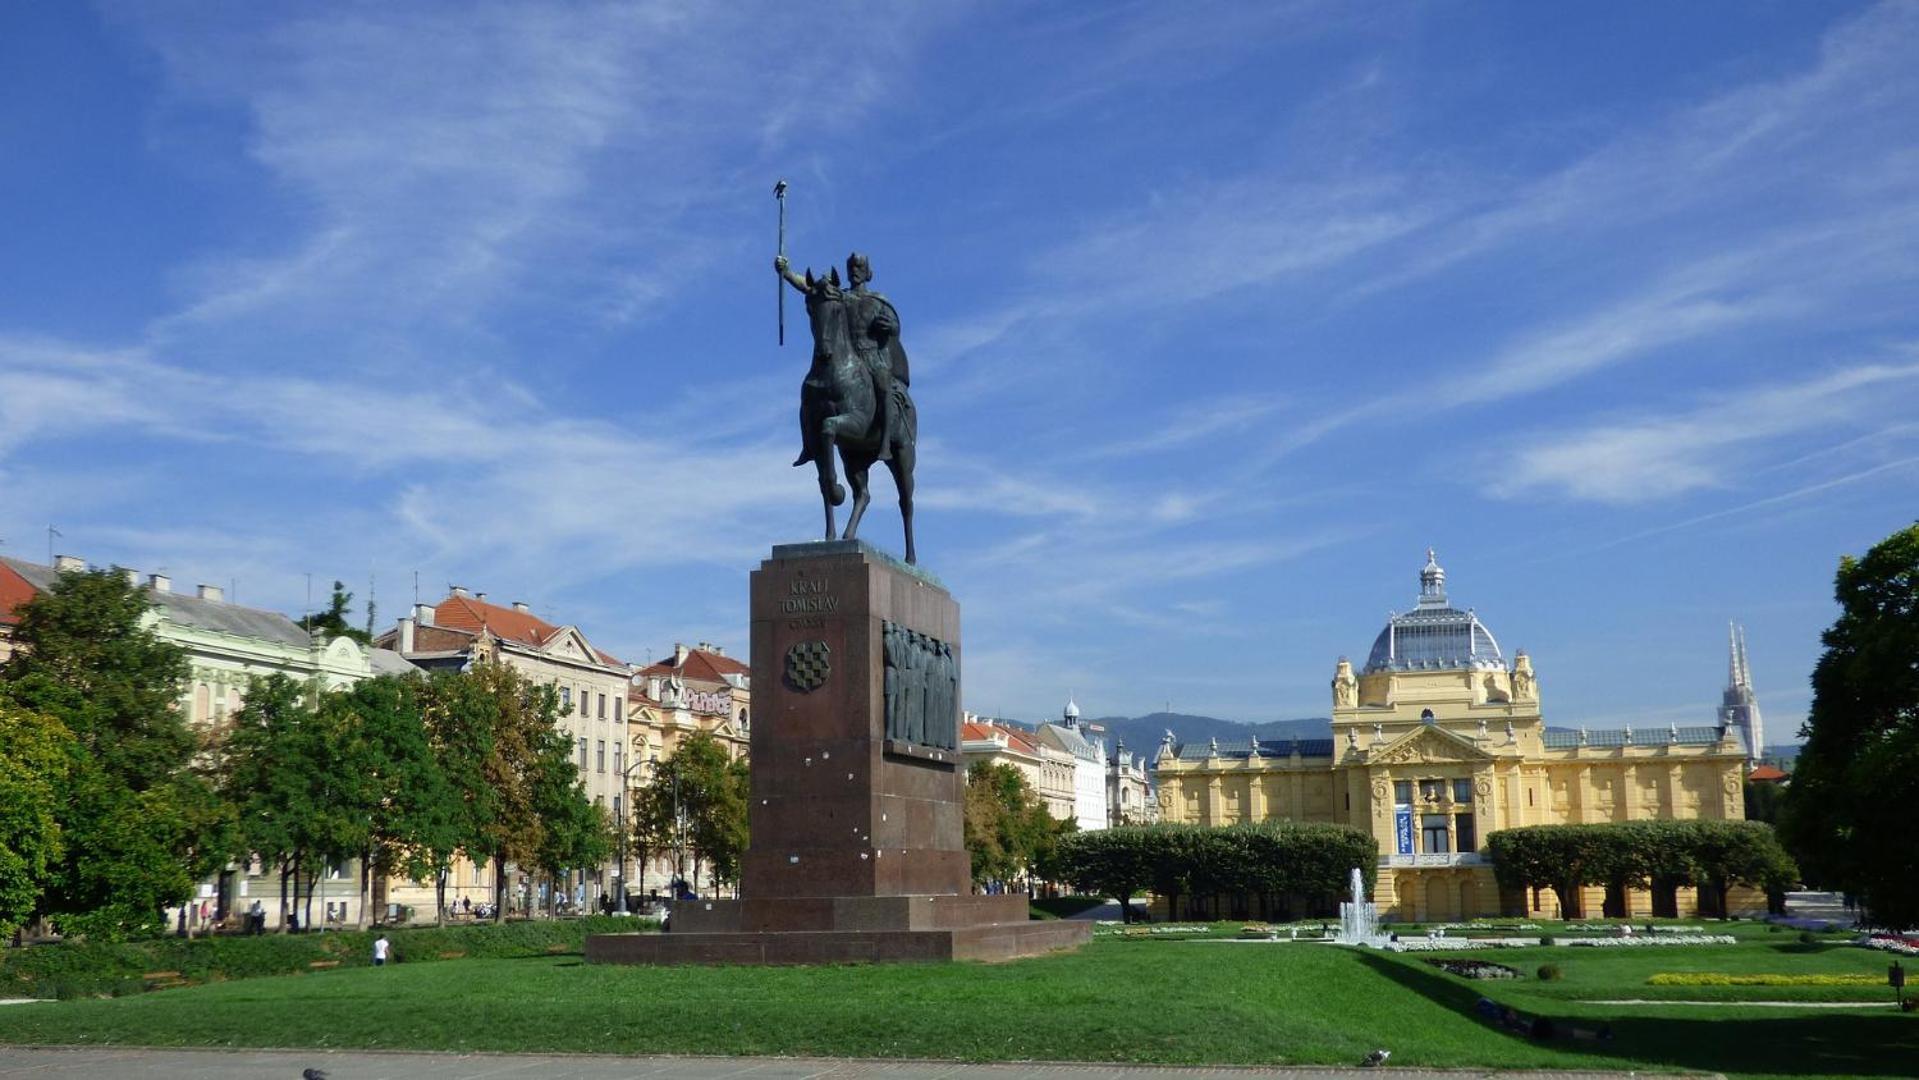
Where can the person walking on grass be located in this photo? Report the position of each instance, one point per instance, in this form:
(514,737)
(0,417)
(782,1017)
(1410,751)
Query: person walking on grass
(380,948)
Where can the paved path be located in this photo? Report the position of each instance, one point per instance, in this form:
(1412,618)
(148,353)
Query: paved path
(70,1064)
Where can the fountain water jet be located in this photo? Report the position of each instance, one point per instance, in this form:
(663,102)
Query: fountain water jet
(1359,918)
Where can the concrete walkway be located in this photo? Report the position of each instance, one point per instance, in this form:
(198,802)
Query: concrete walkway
(70,1064)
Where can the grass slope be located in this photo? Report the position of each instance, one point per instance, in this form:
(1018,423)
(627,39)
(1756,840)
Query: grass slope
(1163,1001)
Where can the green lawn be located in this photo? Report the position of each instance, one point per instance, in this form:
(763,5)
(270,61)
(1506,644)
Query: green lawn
(1116,1000)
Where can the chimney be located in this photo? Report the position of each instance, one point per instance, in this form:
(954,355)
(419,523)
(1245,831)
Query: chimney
(520,605)
(460,591)
(716,650)
(160,583)
(213,593)
(679,655)
(481,597)
(66,563)
(132,576)
(405,643)
(423,614)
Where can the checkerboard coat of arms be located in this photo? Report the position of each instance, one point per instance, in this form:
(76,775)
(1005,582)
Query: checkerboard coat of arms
(808,663)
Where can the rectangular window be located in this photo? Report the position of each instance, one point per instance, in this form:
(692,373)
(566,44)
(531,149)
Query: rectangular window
(616,808)
(602,756)
(602,706)
(1463,826)
(1432,830)
(1462,791)
(582,754)
(617,702)
(566,699)
(1402,793)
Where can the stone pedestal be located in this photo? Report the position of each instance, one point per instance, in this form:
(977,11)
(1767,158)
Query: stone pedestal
(858,850)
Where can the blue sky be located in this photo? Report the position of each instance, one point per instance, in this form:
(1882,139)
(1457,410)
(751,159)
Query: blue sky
(1219,315)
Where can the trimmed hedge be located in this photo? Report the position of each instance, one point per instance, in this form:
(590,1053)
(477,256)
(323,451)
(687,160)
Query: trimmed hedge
(1279,864)
(88,968)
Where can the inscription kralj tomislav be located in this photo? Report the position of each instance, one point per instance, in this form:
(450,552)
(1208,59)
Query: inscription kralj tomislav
(921,688)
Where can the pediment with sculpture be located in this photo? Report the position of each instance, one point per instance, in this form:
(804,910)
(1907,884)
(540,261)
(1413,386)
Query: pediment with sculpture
(1425,744)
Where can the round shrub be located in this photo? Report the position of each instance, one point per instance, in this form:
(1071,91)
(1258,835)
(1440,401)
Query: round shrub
(1549,973)
(1547,939)
(1807,937)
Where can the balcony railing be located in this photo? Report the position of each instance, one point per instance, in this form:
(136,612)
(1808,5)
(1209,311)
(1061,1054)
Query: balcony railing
(1450,858)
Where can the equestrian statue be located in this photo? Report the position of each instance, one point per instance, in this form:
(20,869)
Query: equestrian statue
(855,397)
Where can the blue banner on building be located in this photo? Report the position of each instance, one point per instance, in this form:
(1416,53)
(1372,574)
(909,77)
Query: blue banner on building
(1403,828)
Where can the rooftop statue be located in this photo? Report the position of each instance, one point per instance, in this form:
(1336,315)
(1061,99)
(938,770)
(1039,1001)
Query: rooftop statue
(855,395)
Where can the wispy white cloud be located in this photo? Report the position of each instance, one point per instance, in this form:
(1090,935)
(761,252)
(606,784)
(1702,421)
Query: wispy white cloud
(1657,458)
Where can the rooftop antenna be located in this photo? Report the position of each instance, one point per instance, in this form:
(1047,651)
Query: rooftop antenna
(51,533)
(416,588)
(371,607)
(306,613)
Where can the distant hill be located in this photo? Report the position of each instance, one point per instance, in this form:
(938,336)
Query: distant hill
(1143,733)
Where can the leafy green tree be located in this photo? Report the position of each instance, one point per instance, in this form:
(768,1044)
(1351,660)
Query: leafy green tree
(698,795)
(35,756)
(1110,862)
(395,780)
(1008,832)
(522,718)
(332,622)
(1847,814)
(460,713)
(290,772)
(576,832)
(1730,853)
(1763,802)
(136,818)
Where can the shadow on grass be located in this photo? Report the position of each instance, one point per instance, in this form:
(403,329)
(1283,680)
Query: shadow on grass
(1832,1044)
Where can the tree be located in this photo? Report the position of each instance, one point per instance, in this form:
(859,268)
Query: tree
(1730,853)
(35,755)
(698,797)
(1114,862)
(576,832)
(288,769)
(459,714)
(137,820)
(395,780)
(1847,814)
(1563,858)
(1008,832)
(494,709)
(333,621)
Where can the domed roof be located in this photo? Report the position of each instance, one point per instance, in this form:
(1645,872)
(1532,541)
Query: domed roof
(1435,636)
(1072,709)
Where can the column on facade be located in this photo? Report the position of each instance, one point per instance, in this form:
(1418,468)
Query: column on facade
(1209,813)
(1255,791)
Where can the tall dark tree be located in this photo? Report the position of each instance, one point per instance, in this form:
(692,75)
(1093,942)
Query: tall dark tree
(1008,832)
(1847,814)
(136,816)
(333,621)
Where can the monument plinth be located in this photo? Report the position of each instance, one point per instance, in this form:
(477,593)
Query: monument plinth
(857,848)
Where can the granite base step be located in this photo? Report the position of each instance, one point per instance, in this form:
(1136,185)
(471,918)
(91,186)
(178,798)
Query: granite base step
(995,941)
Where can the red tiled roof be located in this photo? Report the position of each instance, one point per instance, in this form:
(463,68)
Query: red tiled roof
(1016,740)
(1767,774)
(700,664)
(15,591)
(505,623)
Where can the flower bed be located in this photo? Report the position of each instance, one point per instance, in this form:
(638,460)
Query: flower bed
(1614,928)
(1475,969)
(1655,942)
(1717,978)
(1442,944)
(1891,943)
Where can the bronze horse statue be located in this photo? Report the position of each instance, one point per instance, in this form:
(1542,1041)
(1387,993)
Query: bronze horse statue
(855,396)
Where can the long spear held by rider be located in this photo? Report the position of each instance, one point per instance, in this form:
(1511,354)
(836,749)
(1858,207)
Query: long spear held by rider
(779,192)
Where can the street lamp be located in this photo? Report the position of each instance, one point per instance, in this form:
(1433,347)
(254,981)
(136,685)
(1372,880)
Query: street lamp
(626,811)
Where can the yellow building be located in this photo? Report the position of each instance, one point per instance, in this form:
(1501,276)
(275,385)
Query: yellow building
(1439,741)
